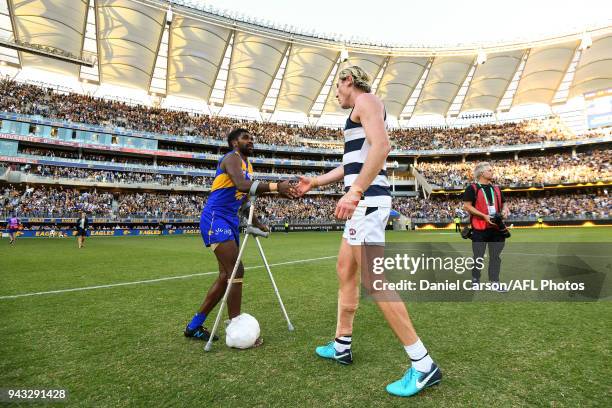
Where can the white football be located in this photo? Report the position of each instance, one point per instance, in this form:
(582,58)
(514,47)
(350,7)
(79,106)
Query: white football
(242,331)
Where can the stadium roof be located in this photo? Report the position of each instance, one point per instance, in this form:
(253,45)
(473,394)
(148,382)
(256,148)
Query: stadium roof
(198,54)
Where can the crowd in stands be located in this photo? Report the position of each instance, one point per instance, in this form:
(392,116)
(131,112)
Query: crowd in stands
(589,166)
(210,165)
(159,205)
(308,209)
(105,176)
(42,201)
(36,100)
(154,177)
(555,206)
(481,135)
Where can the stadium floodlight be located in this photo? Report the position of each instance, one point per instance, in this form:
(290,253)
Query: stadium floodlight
(587,41)
(344,55)
(482,57)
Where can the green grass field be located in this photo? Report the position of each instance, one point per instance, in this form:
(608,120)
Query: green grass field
(123,345)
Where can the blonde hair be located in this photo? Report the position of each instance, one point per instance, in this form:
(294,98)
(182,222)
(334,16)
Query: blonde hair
(479,169)
(361,79)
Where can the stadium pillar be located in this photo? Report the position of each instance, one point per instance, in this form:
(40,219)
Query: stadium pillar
(515,155)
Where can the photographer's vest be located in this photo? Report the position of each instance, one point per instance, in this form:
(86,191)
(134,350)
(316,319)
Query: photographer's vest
(482,204)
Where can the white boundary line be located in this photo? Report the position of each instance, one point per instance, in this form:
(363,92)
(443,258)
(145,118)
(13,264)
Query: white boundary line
(112,285)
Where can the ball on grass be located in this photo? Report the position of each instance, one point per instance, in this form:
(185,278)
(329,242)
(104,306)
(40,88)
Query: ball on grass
(242,332)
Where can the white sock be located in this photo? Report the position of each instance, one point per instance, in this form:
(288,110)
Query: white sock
(421,360)
(342,343)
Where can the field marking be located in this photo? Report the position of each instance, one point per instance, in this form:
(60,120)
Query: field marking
(112,285)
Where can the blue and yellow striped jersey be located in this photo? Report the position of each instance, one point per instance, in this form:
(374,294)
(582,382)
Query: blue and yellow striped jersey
(224,197)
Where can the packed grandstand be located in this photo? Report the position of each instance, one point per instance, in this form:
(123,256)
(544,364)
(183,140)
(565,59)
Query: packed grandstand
(58,180)
(65,149)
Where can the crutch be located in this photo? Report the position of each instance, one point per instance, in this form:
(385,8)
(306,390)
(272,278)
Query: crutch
(256,232)
(263,256)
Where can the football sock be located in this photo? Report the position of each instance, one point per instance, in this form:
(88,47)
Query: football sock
(421,360)
(197,320)
(342,343)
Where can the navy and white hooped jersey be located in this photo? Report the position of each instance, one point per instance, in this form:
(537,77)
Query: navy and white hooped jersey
(356,149)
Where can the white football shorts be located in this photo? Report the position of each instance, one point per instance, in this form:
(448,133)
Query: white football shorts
(367,225)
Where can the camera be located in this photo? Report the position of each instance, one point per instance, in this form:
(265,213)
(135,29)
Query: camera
(466,233)
(498,220)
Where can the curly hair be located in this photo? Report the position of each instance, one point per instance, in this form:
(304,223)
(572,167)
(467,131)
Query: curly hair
(361,78)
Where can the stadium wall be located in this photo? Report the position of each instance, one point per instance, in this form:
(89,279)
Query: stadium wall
(606,222)
(123,232)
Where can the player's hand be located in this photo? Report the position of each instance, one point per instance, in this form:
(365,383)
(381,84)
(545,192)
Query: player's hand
(261,226)
(287,190)
(347,205)
(304,185)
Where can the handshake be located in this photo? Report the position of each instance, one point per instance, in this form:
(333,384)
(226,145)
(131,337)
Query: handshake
(296,188)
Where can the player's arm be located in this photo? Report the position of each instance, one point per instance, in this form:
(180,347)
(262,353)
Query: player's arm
(233,167)
(370,112)
(308,183)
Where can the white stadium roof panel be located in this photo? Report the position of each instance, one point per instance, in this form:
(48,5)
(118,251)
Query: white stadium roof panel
(370,63)
(211,56)
(307,69)
(195,54)
(443,82)
(545,68)
(491,80)
(53,23)
(594,70)
(129,35)
(399,80)
(254,62)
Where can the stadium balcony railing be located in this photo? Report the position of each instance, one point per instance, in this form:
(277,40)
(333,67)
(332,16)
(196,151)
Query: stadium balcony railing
(170,154)
(65,181)
(298,149)
(114,166)
(421,181)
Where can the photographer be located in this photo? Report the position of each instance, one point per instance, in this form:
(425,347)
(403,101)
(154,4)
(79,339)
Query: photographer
(484,202)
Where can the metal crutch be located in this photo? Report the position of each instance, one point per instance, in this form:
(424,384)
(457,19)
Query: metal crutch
(249,231)
(263,256)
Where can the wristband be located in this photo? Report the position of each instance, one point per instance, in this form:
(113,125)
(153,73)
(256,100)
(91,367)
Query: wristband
(273,187)
(314,182)
(253,190)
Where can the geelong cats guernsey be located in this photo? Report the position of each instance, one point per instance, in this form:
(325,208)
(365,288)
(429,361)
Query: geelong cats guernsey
(356,149)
